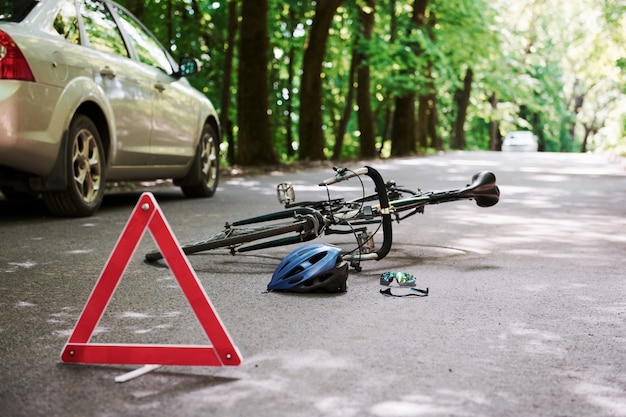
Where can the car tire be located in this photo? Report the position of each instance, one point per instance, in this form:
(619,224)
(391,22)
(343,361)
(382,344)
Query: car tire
(84,170)
(203,177)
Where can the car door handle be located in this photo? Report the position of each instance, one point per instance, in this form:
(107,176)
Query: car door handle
(107,72)
(160,87)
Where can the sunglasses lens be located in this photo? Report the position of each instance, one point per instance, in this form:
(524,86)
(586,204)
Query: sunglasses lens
(386,278)
(405,280)
(402,278)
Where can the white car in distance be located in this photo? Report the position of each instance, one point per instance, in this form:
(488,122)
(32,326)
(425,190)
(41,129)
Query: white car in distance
(520,141)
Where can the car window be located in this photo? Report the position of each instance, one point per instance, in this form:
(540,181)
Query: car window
(101,30)
(149,51)
(66,22)
(15,10)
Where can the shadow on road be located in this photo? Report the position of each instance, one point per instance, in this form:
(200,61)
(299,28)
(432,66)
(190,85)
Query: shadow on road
(32,209)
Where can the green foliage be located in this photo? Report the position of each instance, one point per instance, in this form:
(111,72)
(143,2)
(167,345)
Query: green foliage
(536,65)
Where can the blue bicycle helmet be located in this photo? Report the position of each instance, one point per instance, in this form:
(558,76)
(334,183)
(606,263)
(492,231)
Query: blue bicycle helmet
(311,268)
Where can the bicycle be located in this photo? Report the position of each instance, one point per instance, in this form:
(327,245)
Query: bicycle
(308,220)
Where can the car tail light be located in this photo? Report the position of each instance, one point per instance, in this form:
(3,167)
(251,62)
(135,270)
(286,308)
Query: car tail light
(13,65)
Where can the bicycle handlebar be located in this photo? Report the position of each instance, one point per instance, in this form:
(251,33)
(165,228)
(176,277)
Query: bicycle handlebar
(344,174)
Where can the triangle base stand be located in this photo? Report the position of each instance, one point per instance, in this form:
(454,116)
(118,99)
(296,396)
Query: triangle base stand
(136,373)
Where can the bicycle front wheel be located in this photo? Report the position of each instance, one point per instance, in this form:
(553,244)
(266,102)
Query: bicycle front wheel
(235,236)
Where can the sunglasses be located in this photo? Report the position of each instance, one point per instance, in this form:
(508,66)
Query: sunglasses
(402,278)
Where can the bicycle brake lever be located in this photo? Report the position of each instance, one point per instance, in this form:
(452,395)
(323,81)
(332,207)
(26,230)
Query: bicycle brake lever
(343,174)
(340,176)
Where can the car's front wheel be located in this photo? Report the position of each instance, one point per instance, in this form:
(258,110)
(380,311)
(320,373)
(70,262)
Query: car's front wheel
(84,170)
(204,173)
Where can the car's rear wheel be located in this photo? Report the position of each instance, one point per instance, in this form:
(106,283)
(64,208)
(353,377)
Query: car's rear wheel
(203,176)
(84,170)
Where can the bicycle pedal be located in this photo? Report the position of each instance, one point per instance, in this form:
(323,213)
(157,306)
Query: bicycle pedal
(366,242)
(286,193)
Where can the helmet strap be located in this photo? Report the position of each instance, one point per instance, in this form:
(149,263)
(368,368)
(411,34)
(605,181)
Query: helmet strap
(418,293)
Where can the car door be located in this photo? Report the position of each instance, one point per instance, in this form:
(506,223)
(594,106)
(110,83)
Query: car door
(176,127)
(175,120)
(129,92)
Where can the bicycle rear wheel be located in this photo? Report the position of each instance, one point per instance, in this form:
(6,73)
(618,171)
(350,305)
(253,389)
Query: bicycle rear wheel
(235,236)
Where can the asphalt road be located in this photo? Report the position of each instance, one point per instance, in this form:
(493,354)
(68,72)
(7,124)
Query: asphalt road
(526,314)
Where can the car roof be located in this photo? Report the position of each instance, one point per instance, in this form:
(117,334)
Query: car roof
(520,133)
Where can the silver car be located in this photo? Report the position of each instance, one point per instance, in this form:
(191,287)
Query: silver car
(88,95)
(521,141)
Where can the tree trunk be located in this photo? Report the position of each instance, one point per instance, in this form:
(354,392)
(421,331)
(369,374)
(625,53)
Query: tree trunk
(428,114)
(495,138)
(403,133)
(433,122)
(422,122)
(583,147)
(347,111)
(578,104)
(367,140)
(288,117)
(461,99)
(403,137)
(388,126)
(170,24)
(310,129)
(255,143)
(541,139)
(136,7)
(227,80)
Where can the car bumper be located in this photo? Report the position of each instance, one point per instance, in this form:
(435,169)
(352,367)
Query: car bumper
(26,143)
(519,148)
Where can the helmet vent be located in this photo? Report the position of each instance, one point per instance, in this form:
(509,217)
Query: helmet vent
(295,280)
(317,257)
(295,272)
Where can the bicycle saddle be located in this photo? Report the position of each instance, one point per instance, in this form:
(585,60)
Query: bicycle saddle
(483,189)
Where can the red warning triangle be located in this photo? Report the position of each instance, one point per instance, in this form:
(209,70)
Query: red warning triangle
(222,352)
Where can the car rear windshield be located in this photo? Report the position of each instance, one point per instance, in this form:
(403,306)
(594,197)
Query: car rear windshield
(15,10)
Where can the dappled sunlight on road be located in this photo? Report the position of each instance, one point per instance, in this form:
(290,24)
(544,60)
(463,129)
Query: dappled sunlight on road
(582,228)
(607,395)
(575,170)
(435,161)
(535,341)
(519,236)
(250,184)
(559,210)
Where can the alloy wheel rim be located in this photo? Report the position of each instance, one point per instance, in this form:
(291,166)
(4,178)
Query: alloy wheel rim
(209,159)
(86,165)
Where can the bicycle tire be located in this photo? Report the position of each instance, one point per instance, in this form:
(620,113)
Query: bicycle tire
(236,236)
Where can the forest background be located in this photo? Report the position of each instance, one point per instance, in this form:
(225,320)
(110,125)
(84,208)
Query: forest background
(343,79)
